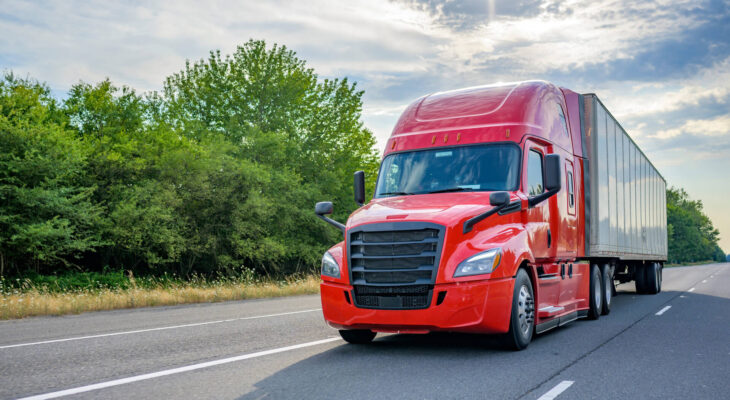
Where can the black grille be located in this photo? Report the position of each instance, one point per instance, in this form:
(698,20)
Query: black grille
(393,297)
(394,265)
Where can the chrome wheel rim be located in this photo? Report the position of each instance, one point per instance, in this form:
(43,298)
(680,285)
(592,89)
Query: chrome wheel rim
(525,310)
(597,293)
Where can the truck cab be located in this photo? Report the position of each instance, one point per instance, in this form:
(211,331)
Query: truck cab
(477,223)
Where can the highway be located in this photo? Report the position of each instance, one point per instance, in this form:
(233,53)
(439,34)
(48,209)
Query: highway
(674,345)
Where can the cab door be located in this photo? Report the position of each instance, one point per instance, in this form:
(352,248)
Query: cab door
(538,218)
(541,223)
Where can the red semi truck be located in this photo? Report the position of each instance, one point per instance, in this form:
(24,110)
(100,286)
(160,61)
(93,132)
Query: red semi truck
(505,209)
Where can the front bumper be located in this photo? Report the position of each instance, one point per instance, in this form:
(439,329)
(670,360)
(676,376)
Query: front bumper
(479,307)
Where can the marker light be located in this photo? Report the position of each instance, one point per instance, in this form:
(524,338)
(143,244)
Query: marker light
(329,266)
(481,263)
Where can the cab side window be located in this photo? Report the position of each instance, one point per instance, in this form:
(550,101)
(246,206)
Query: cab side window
(571,195)
(534,173)
(561,114)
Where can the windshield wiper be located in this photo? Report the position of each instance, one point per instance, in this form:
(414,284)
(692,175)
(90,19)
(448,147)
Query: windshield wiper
(453,189)
(395,194)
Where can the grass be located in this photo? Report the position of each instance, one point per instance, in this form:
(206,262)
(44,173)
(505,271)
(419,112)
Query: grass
(687,264)
(79,293)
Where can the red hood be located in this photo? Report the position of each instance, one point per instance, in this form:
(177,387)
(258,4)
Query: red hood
(446,209)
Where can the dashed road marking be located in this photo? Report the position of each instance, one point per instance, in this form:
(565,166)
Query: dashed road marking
(663,310)
(193,367)
(555,391)
(691,290)
(162,328)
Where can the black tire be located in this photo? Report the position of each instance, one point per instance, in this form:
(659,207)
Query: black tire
(522,319)
(640,278)
(608,289)
(357,336)
(595,294)
(653,278)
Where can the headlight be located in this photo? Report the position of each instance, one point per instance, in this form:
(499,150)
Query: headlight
(482,263)
(329,266)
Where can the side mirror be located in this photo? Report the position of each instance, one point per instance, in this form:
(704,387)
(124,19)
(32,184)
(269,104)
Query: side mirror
(359,188)
(552,180)
(499,199)
(552,173)
(323,207)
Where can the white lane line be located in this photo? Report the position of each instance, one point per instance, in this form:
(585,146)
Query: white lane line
(162,328)
(691,290)
(663,310)
(704,281)
(554,392)
(193,367)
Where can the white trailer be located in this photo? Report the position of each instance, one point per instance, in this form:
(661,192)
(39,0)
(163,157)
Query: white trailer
(626,209)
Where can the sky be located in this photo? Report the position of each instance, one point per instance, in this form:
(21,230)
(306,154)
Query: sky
(661,67)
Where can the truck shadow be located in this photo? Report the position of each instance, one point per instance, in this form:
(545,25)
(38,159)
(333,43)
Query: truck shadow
(452,365)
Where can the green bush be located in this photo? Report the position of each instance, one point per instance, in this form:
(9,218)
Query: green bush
(217,174)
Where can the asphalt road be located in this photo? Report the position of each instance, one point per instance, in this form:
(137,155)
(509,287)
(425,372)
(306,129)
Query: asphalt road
(281,348)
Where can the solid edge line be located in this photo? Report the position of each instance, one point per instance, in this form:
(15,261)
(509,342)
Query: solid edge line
(663,310)
(555,391)
(162,328)
(193,367)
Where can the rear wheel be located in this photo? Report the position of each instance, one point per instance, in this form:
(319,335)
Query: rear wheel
(607,293)
(357,336)
(640,278)
(522,320)
(595,296)
(653,278)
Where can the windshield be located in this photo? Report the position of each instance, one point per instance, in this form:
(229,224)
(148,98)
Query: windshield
(490,167)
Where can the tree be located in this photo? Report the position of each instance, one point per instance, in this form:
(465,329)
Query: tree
(47,215)
(691,234)
(305,133)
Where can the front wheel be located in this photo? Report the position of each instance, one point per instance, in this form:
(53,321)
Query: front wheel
(357,336)
(522,319)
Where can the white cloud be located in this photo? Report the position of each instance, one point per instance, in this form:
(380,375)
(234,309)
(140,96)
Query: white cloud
(719,126)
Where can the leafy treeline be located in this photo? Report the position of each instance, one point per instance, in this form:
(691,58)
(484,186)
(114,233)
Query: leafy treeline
(218,172)
(691,234)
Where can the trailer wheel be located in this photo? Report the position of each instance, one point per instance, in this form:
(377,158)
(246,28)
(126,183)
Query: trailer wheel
(653,278)
(607,292)
(595,296)
(522,320)
(640,278)
(357,336)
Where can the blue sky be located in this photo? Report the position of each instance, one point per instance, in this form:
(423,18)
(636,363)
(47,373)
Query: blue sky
(661,67)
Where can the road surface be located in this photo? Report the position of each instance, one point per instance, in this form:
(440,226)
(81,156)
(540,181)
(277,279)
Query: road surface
(674,345)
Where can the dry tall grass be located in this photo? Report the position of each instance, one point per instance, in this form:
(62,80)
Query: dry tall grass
(35,302)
